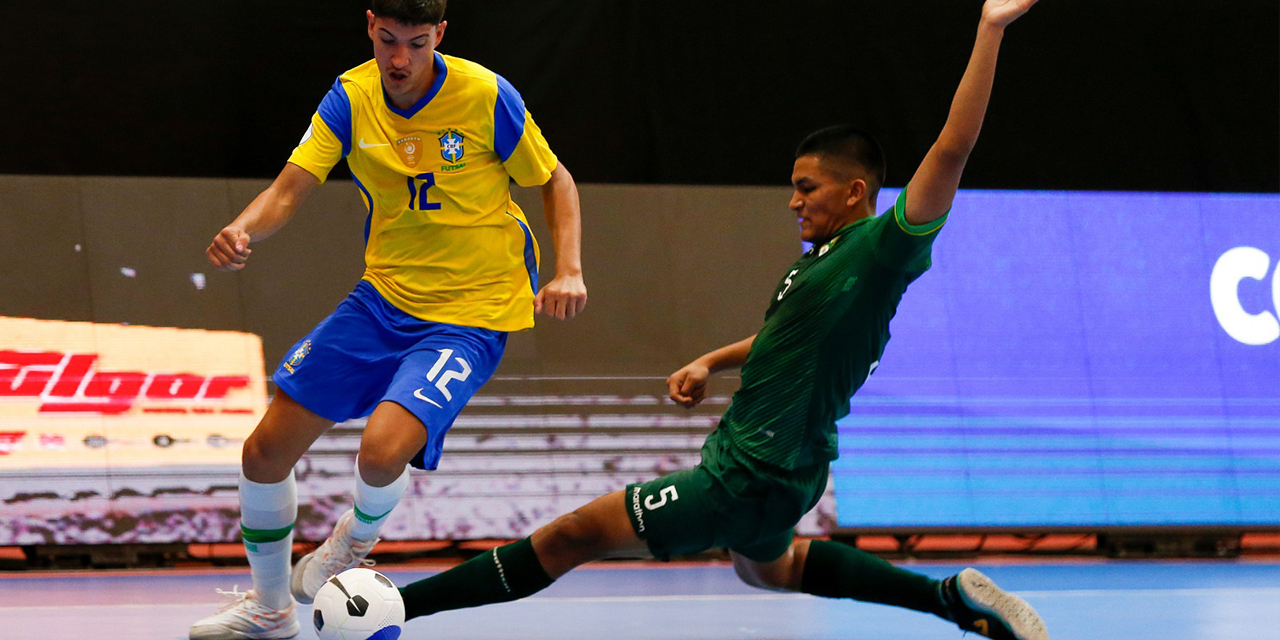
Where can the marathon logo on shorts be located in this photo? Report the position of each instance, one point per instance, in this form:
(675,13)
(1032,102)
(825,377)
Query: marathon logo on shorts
(635,509)
(68,383)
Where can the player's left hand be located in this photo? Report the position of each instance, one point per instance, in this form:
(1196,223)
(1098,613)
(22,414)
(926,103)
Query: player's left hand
(564,297)
(688,386)
(1000,13)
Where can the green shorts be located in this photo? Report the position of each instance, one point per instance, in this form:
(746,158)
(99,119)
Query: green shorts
(729,500)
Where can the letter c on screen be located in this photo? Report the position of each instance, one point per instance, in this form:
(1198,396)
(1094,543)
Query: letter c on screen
(1224,292)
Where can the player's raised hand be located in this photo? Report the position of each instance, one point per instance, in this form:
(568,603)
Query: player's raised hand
(1001,12)
(229,250)
(688,386)
(562,298)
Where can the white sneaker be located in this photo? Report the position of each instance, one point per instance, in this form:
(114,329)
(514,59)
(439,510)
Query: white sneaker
(339,553)
(245,619)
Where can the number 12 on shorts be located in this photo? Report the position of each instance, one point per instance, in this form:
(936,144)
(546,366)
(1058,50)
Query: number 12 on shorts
(667,493)
(442,381)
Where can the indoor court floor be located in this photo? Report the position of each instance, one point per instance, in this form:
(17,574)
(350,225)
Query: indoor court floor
(1079,599)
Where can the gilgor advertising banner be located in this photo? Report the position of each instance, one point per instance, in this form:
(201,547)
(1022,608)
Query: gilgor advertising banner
(78,395)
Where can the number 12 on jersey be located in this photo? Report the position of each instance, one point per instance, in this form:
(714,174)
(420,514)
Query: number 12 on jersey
(418,192)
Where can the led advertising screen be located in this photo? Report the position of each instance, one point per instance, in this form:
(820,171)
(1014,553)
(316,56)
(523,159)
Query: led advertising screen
(1078,359)
(109,432)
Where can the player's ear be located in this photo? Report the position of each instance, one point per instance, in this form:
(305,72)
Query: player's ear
(857,189)
(369,14)
(440,31)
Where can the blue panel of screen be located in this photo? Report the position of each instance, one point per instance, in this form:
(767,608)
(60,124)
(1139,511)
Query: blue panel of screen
(1078,359)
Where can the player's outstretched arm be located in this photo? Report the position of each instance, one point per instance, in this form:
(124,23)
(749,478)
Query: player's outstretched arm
(688,386)
(566,295)
(263,217)
(931,190)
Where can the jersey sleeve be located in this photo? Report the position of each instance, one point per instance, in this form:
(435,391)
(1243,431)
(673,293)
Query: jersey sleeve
(328,139)
(518,140)
(904,246)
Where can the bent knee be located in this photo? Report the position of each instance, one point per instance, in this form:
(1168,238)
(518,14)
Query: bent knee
(260,464)
(381,466)
(254,455)
(572,536)
(761,576)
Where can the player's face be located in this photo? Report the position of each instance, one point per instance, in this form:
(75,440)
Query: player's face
(823,200)
(405,55)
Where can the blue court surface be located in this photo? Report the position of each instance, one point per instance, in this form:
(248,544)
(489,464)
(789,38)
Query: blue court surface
(1080,600)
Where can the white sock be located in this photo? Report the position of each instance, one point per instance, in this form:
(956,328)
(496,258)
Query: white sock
(374,504)
(267,513)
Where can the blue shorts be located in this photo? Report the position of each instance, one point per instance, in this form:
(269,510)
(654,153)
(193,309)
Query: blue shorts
(368,351)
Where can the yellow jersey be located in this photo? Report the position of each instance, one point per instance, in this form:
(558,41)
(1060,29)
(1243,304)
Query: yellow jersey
(444,242)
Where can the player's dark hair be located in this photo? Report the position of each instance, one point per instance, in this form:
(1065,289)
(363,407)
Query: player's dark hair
(850,144)
(410,12)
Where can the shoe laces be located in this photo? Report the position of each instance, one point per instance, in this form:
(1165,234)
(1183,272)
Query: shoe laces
(352,554)
(237,596)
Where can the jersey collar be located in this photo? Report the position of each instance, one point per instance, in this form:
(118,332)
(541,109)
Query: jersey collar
(839,232)
(845,229)
(441,70)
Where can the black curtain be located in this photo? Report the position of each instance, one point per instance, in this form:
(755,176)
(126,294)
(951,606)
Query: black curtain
(1165,95)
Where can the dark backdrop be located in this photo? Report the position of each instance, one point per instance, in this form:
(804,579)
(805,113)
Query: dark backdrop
(1091,94)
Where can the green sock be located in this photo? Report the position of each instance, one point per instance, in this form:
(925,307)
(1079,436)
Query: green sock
(503,574)
(834,570)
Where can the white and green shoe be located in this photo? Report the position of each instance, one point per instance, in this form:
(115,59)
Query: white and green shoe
(247,619)
(339,553)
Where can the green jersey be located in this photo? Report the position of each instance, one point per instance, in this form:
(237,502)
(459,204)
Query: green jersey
(824,332)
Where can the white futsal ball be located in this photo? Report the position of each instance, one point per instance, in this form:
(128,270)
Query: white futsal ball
(358,604)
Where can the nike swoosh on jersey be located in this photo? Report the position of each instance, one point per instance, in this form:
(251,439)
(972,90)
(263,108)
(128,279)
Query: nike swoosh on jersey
(418,394)
(365,145)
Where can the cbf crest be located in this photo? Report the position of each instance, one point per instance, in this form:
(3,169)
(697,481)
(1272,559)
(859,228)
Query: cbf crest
(451,146)
(296,358)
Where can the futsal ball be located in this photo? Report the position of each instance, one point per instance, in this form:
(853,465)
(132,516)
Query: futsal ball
(358,604)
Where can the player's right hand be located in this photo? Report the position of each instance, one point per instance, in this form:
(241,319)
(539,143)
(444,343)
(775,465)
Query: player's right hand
(688,386)
(229,250)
